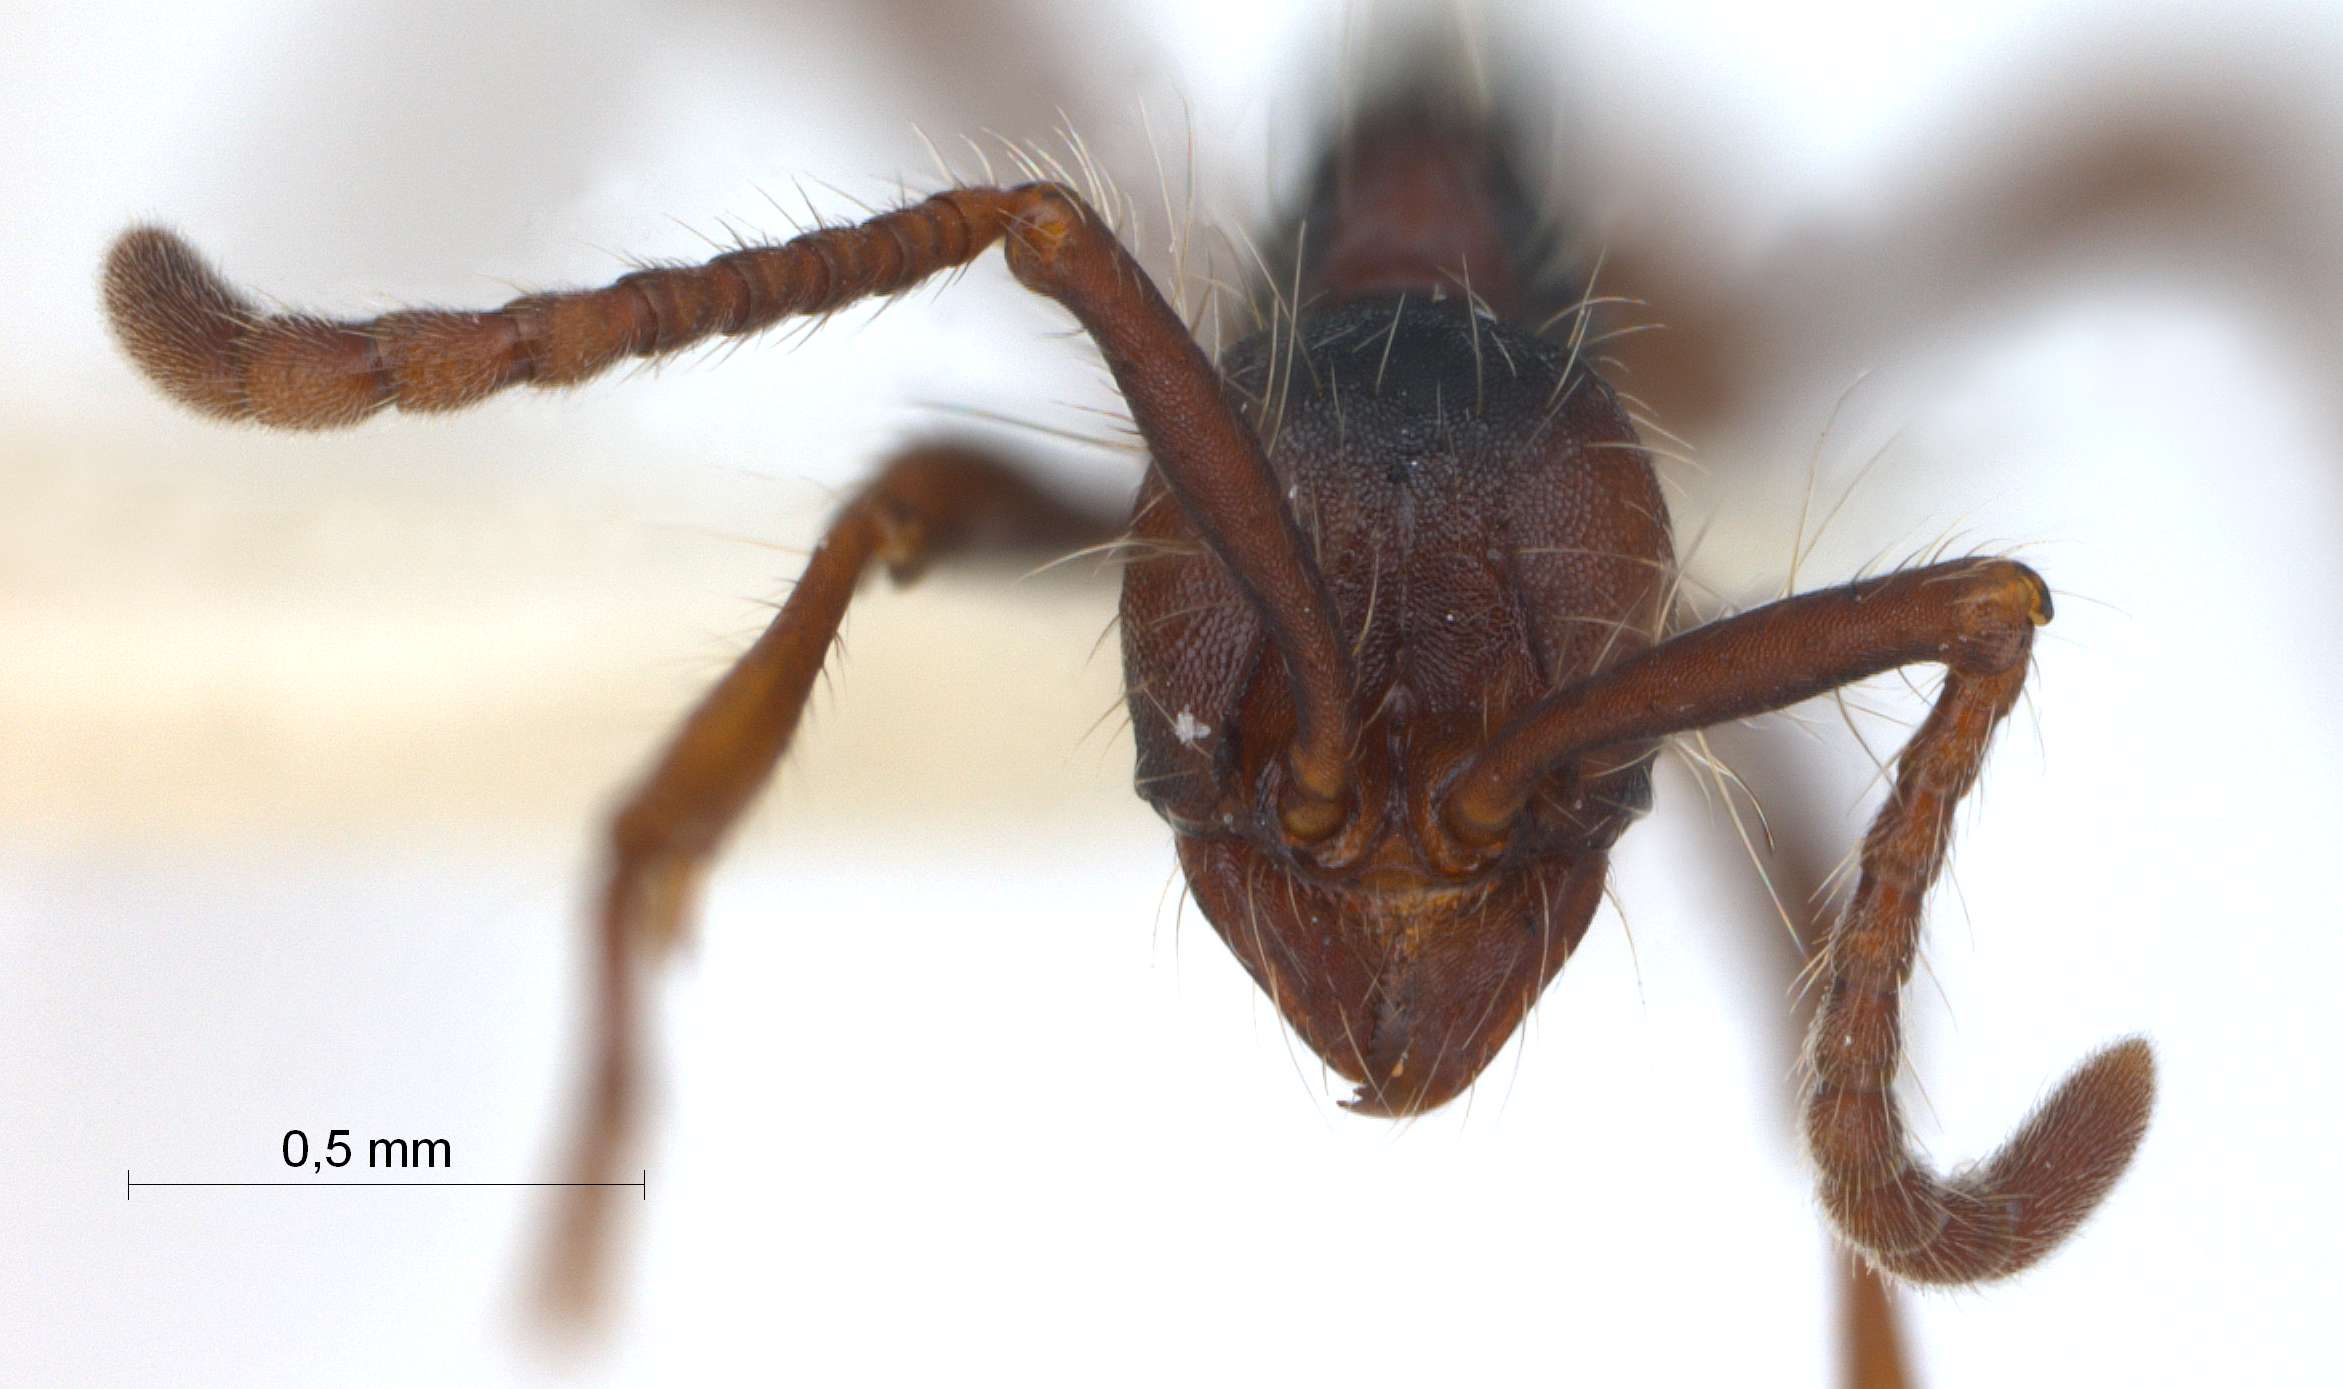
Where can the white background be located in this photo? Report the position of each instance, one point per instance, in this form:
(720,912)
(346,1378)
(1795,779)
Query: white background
(302,740)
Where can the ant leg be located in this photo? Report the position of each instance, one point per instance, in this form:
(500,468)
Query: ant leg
(2108,164)
(1865,1320)
(927,503)
(1870,1333)
(1976,618)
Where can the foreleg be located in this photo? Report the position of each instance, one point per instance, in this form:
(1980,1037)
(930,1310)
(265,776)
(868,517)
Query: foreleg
(927,504)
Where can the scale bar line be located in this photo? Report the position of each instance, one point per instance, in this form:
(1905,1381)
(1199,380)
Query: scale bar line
(643,1185)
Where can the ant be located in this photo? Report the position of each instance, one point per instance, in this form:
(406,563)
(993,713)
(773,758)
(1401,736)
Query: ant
(1398,623)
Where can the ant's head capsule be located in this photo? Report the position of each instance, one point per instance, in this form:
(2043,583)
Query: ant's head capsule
(1406,984)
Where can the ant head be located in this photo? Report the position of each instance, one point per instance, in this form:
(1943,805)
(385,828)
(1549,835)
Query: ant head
(1405,985)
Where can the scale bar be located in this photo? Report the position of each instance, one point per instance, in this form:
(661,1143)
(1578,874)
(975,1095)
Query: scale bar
(643,1185)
